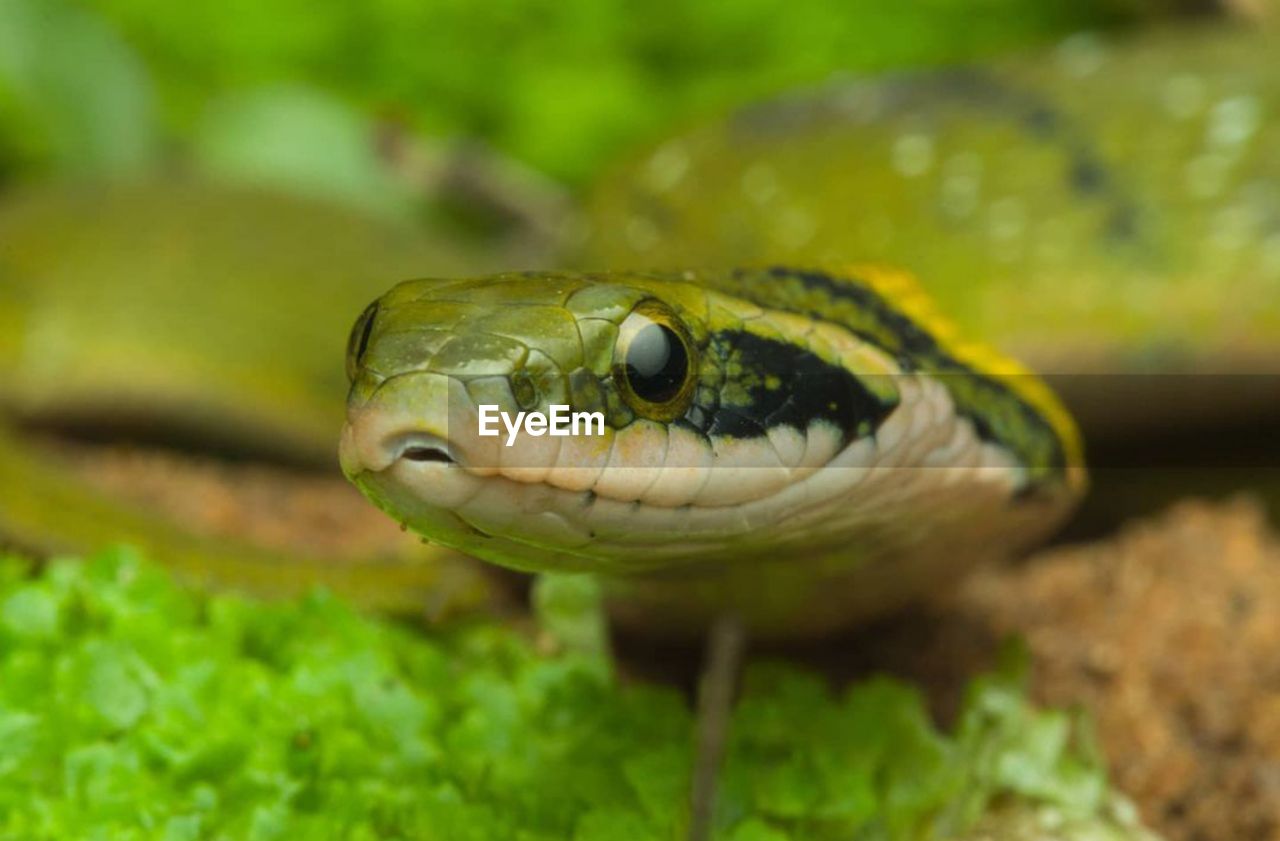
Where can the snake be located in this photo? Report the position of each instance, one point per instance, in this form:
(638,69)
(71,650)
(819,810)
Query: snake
(804,441)
(770,438)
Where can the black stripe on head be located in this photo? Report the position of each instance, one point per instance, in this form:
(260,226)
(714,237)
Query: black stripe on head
(997,412)
(768,383)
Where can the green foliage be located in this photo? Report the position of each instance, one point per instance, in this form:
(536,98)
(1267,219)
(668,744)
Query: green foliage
(570,609)
(302,141)
(130,708)
(562,84)
(72,94)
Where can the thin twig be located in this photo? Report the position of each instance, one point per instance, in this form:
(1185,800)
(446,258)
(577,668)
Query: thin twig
(723,662)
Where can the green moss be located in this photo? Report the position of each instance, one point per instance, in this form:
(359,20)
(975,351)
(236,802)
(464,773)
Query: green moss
(131,708)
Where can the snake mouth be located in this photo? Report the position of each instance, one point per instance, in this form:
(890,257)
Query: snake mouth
(422,449)
(373,442)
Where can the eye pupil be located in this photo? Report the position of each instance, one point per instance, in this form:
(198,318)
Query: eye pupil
(657,363)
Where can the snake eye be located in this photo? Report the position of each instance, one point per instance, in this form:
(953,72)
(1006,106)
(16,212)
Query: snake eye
(653,362)
(358,342)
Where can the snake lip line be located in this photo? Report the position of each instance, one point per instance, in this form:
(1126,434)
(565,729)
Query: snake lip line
(418,447)
(426,452)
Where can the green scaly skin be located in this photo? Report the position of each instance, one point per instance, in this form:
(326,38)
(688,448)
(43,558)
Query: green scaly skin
(216,316)
(215,312)
(1108,207)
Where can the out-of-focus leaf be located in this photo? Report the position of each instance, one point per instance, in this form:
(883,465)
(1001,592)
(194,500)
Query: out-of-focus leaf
(113,688)
(31,614)
(564,85)
(302,140)
(72,90)
(570,608)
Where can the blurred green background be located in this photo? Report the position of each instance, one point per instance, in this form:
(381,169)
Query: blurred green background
(322,98)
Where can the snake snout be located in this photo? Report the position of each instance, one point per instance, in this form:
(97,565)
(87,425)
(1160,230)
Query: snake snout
(416,421)
(373,442)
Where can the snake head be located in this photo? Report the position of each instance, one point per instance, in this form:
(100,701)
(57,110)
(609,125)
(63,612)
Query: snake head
(696,427)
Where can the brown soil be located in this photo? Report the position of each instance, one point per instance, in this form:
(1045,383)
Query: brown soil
(1168,633)
(277,508)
